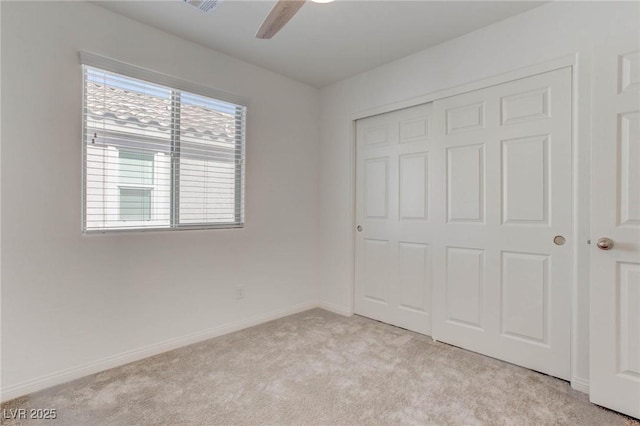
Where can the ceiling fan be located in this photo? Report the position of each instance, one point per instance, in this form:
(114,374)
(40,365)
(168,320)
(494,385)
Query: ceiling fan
(280,14)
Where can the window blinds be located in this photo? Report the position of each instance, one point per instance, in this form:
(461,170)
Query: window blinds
(157,157)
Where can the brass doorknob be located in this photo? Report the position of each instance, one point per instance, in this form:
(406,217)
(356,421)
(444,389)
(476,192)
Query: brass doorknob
(605,243)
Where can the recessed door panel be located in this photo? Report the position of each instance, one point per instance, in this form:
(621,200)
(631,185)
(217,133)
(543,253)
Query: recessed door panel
(414,273)
(465,282)
(629,176)
(376,187)
(629,72)
(377,258)
(628,296)
(414,129)
(525,292)
(525,180)
(465,184)
(413,186)
(376,135)
(530,105)
(465,118)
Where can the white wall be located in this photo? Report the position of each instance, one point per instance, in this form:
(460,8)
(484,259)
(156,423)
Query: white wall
(71,301)
(548,32)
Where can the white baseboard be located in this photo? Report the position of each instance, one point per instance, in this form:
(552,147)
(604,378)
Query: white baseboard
(579,384)
(63,376)
(335,309)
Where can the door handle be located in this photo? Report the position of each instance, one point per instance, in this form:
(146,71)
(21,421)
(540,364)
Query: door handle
(605,243)
(359,228)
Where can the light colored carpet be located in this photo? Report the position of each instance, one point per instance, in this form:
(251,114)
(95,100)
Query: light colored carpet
(318,368)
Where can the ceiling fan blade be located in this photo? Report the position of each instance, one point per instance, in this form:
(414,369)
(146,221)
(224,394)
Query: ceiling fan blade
(281,13)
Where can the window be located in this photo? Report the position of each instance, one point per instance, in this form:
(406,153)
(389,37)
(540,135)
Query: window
(157,156)
(135,204)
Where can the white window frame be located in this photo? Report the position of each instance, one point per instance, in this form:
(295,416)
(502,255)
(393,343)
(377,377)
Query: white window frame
(127,70)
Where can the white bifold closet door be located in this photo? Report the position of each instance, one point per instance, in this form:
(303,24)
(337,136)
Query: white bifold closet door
(393,245)
(465,209)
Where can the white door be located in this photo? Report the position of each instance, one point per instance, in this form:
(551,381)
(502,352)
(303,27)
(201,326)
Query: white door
(615,214)
(502,195)
(393,247)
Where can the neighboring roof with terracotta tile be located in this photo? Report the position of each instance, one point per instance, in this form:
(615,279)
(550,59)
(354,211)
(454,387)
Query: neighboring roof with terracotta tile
(127,109)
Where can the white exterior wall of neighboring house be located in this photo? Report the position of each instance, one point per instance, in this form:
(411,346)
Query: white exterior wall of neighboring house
(206,192)
(104,179)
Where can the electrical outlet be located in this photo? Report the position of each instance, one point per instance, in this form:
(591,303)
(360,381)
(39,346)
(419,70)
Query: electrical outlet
(239,293)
